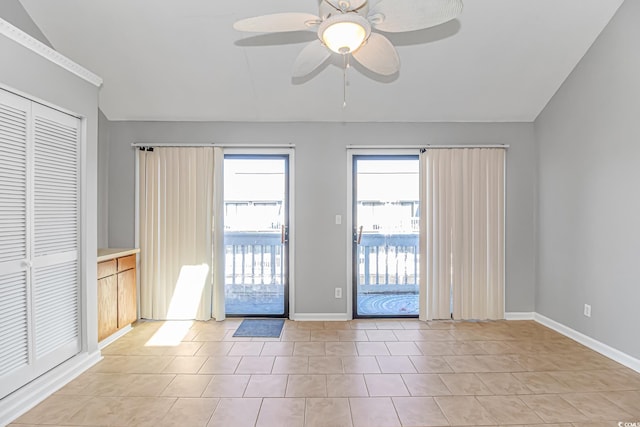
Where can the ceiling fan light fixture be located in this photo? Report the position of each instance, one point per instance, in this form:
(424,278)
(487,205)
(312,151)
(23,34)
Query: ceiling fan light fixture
(344,33)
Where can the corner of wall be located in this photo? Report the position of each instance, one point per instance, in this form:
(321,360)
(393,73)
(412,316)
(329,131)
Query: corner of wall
(104,137)
(586,236)
(536,213)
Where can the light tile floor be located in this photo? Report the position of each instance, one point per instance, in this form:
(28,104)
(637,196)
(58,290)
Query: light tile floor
(362,373)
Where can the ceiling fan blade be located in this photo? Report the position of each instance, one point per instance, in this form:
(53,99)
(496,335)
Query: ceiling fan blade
(396,16)
(311,57)
(378,55)
(277,22)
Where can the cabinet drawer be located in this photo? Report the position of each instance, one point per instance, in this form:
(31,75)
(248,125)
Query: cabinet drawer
(107,268)
(126,263)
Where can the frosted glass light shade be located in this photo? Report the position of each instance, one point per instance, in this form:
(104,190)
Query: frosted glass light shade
(344,33)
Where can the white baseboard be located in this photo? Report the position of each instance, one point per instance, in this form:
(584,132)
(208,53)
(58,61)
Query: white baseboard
(25,398)
(593,344)
(519,316)
(320,317)
(116,335)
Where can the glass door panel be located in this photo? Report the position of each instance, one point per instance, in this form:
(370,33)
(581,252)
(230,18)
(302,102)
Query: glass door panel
(386,237)
(256,235)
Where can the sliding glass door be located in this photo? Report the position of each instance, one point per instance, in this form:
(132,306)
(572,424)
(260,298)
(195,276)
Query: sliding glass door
(385,236)
(256,201)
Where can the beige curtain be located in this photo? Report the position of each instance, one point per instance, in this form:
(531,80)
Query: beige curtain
(218,235)
(462,229)
(176,251)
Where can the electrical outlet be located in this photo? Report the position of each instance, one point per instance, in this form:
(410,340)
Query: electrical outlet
(338,292)
(587,310)
(338,219)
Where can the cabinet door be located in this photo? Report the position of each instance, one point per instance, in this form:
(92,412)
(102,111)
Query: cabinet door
(127,310)
(107,306)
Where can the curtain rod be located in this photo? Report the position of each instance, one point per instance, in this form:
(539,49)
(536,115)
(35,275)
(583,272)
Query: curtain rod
(209,144)
(420,147)
(348,147)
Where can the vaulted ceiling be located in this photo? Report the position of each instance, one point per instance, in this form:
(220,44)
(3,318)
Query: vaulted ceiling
(501,60)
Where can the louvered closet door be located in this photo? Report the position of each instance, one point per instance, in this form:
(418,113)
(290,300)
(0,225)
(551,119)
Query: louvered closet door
(14,243)
(39,240)
(56,225)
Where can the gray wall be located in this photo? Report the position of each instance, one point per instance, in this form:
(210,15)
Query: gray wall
(13,12)
(589,207)
(321,190)
(27,73)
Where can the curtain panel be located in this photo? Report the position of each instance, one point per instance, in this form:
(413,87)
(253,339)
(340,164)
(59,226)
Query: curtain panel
(462,233)
(176,207)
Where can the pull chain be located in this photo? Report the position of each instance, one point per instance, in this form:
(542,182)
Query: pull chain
(345,61)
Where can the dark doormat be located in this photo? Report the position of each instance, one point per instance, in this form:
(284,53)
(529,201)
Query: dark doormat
(266,328)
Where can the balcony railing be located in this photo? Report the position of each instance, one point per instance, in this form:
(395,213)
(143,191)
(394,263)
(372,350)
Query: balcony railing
(386,263)
(253,258)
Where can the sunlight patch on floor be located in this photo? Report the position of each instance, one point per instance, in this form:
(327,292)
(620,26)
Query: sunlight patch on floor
(170,334)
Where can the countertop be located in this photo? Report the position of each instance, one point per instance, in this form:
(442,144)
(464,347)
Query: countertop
(105,254)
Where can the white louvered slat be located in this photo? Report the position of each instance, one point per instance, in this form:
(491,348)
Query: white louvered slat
(13,158)
(55,184)
(11,131)
(55,297)
(13,181)
(14,349)
(10,137)
(8,114)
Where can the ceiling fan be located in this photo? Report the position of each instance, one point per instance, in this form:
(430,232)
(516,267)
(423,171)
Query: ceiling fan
(346,27)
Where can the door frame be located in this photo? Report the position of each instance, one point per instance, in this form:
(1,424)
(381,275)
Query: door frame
(289,153)
(352,153)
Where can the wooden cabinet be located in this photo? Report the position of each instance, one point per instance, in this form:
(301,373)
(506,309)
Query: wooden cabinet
(117,299)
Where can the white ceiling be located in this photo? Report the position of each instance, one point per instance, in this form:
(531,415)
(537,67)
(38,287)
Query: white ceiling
(502,60)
